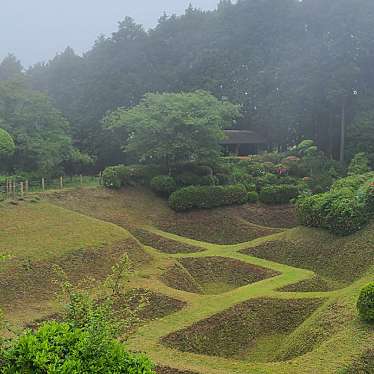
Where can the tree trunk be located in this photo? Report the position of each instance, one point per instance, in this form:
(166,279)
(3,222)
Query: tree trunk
(342,134)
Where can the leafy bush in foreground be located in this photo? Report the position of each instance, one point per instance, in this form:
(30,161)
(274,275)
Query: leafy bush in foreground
(278,194)
(163,184)
(365,303)
(7,146)
(62,348)
(206,197)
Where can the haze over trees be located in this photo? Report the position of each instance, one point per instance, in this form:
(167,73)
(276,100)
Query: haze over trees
(299,69)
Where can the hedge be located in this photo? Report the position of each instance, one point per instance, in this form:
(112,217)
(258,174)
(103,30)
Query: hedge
(278,194)
(207,197)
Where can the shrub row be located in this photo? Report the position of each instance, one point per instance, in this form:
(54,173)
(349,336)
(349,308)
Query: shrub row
(365,303)
(281,194)
(207,197)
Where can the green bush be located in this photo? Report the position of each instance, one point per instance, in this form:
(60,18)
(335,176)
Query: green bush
(266,180)
(359,164)
(207,197)
(278,194)
(163,184)
(365,303)
(354,182)
(113,176)
(346,216)
(61,348)
(369,198)
(339,211)
(252,197)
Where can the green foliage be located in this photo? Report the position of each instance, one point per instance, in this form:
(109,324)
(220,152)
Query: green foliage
(113,176)
(278,194)
(173,128)
(340,210)
(252,197)
(359,164)
(40,132)
(369,198)
(365,303)
(189,179)
(207,197)
(62,348)
(7,146)
(163,184)
(353,182)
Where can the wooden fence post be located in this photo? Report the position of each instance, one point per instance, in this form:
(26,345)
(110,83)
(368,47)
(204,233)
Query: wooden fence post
(14,190)
(21,189)
(61,183)
(81,180)
(43,184)
(27,186)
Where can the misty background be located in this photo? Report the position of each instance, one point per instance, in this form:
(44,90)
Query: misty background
(36,30)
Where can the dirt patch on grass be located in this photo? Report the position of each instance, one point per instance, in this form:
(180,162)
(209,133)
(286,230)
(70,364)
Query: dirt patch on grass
(361,365)
(315,284)
(213,275)
(147,304)
(250,331)
(340,259)
(164,244)
(22,281)
(218,226)
(282,216)
(168,370)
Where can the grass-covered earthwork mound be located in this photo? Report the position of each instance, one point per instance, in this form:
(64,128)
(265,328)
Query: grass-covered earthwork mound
(212,275)
(250,331)
(339,260)
(164,244)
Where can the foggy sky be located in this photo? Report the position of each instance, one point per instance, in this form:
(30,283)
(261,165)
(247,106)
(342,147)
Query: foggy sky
(35,30)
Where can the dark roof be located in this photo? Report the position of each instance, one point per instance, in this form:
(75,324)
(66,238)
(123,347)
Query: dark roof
(243,137)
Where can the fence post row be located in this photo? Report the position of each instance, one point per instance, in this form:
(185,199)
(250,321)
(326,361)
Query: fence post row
(11,188)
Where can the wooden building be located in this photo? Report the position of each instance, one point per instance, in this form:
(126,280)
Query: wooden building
(243,142)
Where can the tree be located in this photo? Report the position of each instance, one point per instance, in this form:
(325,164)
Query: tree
(7,146)
(10,68)
(172,128)
(40,132)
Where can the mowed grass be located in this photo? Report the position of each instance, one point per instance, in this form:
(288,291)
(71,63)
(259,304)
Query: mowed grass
(309,268)
(39,231)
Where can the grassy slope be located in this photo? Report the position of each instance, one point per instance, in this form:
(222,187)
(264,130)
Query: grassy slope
(42,231)
(328,340)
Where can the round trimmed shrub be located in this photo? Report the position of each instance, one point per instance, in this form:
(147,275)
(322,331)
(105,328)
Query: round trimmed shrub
(234,194)
(163,184)
(278,194)
(252,197)
(369,198)
(365,303)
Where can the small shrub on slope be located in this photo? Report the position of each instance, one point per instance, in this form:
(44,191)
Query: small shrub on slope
(163,184)
(252,197)
(365,303)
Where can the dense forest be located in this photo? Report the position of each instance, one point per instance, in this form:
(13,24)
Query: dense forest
(300,69)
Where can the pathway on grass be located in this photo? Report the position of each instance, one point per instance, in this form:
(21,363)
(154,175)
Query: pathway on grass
(201,307)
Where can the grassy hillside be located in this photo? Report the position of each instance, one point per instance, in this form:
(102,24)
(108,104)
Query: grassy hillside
(275,300)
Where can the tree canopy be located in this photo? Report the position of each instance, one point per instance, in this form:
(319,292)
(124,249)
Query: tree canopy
(171,128)
(40,132)
(7,146)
